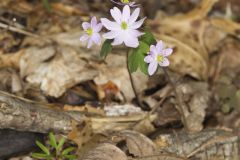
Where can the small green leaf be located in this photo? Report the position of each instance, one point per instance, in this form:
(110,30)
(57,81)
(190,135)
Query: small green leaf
(52,140)
(43,148)
(148,38)
(136,58)
(41,156)
(68,150)
(60,144)
(47,5)
(70,157)
(106,48)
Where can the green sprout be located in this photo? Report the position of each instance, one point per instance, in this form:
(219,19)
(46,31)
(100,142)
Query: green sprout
(55,151)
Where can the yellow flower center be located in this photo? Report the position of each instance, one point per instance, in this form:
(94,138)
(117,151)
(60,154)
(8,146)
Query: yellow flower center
(160,58)
(125,1)
(124,25)
(90,31)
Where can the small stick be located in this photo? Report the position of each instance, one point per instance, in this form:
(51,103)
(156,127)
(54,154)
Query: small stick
(21,31)
(179,100)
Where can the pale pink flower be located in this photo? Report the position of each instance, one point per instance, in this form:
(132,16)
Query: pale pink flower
(91,32)
(124,29)
(125,2)
(157,56)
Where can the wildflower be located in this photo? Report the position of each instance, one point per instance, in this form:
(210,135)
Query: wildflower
(91,32)
(157,56)
(125,2)
(124,29)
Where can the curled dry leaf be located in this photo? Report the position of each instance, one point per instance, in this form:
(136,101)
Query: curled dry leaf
(195,96)
(105,151)
(55,69)
(189,34)
(138,144)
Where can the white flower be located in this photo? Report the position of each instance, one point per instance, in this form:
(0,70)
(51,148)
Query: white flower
(91,32)
(124,29)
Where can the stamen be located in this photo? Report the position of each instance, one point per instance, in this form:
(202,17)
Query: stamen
(160,58)
(90,31)
(124,25)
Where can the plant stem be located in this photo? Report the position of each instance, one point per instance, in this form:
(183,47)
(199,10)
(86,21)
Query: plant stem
(179,99)
(132,83)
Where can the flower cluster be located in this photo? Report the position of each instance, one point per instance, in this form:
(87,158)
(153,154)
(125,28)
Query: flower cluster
(124,29)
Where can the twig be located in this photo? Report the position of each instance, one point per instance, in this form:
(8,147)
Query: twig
(132,82)
(159,155)
(21,31)
(179,99)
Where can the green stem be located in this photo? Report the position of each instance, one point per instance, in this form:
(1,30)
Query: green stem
(132,83)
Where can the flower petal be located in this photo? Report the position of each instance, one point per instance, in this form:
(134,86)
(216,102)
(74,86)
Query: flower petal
(167,52)
(126,13)
(131,41)
(135,33)
(134,16)
(148,59)
(152,68)
(111,35)
(116,14)
(96,38)
(159,46)
(137,24)
(86,25)
(98,27)
(153,50)
(164,63)
(110,25)
(90,43)
(93,22)
(117,41)
(84,37)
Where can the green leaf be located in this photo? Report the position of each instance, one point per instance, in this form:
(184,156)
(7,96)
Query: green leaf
(71,157)
(60,144)
(68,150)
(136,58)
(106,48)
(148,38)
(43,148)
(47,5)
(52,140)
(41,156)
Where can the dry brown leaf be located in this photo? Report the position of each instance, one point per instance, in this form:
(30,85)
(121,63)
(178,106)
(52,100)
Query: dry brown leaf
(55,69)
(138,144)
(189,35)
(105,151)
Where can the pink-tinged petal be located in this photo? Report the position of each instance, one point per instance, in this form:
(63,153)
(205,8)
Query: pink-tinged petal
(84,37)
(110,25)
(135,33)
(167,52)
(153,50)
(131,41)
(159,46)
(152,68)
(116,14)
(90,43)
(86,25)
(148,59)
(117,41)
(164,63)
(98,27)
(126,13)
(134,16)
(93,22)
(137,24)
(96,38)
(111,35)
